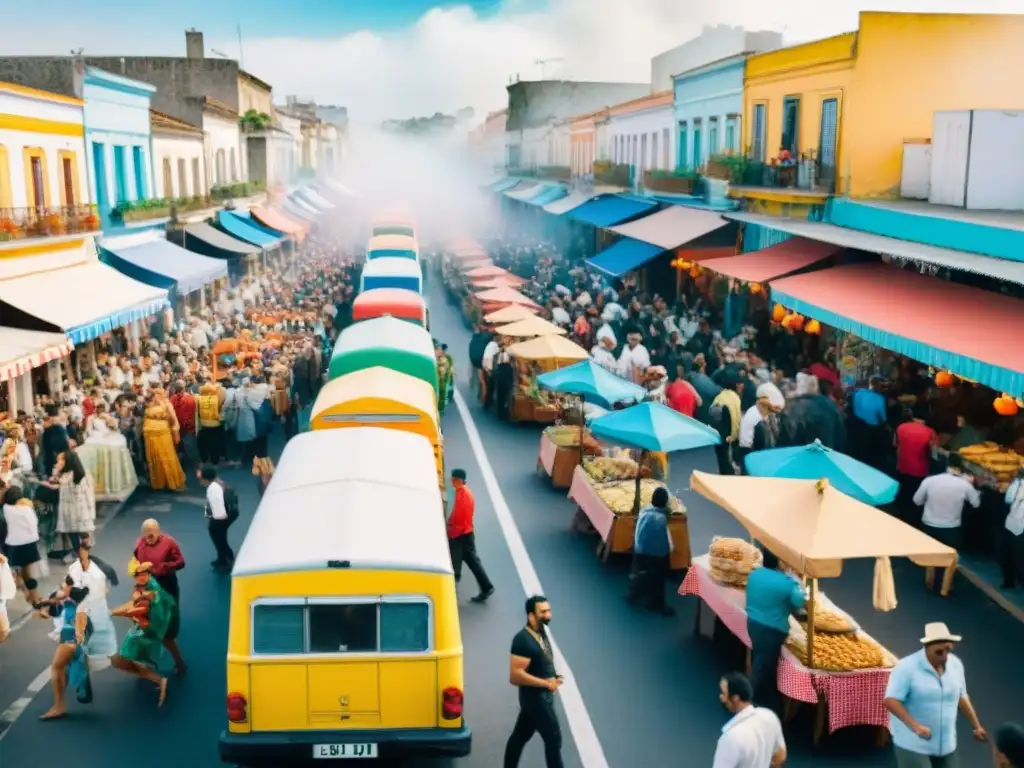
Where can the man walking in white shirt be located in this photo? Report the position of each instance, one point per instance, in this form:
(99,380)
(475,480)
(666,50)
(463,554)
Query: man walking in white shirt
(753,737)
(943,497)
(219,519)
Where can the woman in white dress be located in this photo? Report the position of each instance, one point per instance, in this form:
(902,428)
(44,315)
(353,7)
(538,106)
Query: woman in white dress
(106,456)
(87,571)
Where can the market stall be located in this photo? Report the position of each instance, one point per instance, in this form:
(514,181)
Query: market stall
(477,304)
(813,528)
(562,449)
(530,327)
(610,492)
(510,314)
(531,358)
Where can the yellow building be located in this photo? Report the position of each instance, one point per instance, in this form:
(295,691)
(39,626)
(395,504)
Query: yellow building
(852,100)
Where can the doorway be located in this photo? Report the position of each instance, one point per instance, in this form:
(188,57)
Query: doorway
(99,164)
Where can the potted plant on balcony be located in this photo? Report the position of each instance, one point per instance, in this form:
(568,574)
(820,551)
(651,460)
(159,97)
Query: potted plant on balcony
(10,229)
(53,223)
(90,222)
(678,182)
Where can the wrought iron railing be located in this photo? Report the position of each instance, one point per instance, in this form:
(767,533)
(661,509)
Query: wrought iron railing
(161,207)
(39,222)
(806,174)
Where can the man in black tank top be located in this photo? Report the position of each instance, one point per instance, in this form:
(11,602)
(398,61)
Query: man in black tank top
(532,670)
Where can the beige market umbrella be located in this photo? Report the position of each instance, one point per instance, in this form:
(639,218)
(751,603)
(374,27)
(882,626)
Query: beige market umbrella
(473,262)
(530,326)
(556,348)
(486,273)
(510,314)
(498,281)
(814,527)
(505,296)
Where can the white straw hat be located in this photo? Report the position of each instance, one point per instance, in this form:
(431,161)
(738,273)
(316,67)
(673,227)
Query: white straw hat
(938,632)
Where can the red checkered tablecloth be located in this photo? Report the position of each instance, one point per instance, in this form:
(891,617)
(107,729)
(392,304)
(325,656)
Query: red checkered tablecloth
(546,454)
(854,698)
(585,495)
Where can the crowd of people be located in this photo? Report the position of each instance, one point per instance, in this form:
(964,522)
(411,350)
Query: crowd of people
(209,392)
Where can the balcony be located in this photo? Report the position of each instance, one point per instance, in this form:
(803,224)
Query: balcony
(554,172)
(609,175)
(18,224)
(159,208)
(803,180)
(237,191)
(672,182)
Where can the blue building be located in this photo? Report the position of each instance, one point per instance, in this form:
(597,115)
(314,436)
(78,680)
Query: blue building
(118,139)
(708,104)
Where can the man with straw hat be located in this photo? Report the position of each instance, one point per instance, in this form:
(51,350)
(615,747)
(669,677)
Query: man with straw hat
(925,692)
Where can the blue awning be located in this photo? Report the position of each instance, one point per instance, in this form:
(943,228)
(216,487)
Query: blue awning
(252,221)
(549,195)
(243,229)
(164,265)
(624,256)
(504,184)
(609,210)
(296,211)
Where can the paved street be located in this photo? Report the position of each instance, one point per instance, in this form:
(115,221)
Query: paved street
(648,684)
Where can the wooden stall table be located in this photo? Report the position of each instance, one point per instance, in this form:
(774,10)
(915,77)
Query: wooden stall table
(842,698)
(557,462)
(616,531)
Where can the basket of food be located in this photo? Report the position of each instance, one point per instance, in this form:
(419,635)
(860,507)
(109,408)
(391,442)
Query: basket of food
(619,496)
(604,469)
(840,653)
(730,560)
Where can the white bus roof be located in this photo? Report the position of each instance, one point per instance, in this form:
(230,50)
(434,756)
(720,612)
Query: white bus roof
(361,498)
(393,266)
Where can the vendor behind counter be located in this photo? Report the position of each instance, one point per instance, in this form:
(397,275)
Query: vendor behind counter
(772,596)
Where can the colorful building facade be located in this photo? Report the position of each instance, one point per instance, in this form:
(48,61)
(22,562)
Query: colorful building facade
(708,103)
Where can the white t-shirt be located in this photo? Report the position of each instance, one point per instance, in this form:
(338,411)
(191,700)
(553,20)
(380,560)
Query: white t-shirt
(943,497)
(748,424)
(637,357)
(490,353)
(215,498)
(749,740)
(604,358)
(94,579)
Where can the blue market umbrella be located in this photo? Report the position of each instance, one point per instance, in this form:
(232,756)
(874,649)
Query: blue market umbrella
(815,461)
(593,383)
(654,427)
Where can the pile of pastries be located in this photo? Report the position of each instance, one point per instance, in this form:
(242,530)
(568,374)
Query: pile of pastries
(619,496)
(1003,464)
(730,561)
(840,652)
(606,468)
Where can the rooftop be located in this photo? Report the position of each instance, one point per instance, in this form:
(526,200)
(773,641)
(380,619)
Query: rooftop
(36,93)
(160,120)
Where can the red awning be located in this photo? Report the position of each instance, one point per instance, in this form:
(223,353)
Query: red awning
(913,310)
(776,261)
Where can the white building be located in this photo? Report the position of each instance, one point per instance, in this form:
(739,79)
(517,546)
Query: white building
(640,133)
(223,147)
(42,151)
(713,44)
(179,158)
(560,144)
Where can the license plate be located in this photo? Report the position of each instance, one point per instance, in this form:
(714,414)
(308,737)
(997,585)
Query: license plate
(342,751)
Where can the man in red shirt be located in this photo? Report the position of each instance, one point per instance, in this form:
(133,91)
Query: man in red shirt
(915,441)
(184,404)
(461,541)
(681,395)
(156,547)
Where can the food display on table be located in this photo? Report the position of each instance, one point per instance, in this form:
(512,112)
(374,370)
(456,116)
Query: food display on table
(603,469)
(568,436)
(619,496)
(844,652)
(731,560)
(833,623)
(994,465)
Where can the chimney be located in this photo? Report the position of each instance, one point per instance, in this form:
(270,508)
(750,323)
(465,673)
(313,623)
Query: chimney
(194,44)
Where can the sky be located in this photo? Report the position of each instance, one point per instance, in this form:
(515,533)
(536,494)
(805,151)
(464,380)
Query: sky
(402,58)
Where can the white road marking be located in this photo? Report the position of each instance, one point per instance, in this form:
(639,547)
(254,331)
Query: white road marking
(582,727)
(13,712)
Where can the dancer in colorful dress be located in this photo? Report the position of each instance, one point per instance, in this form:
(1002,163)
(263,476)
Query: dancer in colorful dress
(160,432)
(142,651)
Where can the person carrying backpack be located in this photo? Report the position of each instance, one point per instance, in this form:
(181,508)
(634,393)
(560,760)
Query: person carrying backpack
(221,512)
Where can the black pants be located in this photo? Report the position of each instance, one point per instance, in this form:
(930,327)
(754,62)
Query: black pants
(210,442)
(257,447)
(766,645)
(723,452)
(463,550)
(219,537)
(647,581)
(536,717)
(908,512)
(1011,558)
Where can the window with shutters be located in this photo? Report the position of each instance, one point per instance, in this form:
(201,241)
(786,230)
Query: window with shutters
(757,136)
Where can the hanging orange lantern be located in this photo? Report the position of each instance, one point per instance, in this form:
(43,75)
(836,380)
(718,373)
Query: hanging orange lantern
(694,271)
(794,322)
(1005,405)
(778,313)
(755,288)
(943,379)
(813,327)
